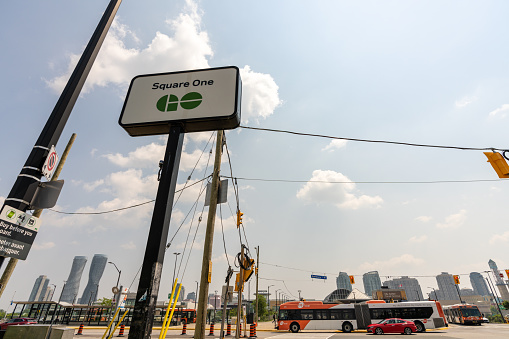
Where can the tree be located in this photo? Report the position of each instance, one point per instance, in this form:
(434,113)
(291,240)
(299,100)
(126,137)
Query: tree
(262,306)
(506,304)
(105,301)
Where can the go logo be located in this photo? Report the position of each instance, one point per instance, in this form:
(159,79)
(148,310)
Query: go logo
(169,103)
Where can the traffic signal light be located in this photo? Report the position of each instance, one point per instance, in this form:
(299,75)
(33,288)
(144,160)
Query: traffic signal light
(499,164)
(239,218)
(507,272)
(352,279)
(456,279)
(248,273)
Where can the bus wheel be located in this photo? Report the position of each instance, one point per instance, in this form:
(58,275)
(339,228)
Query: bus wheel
(294,327)
(420,326)
(347,327)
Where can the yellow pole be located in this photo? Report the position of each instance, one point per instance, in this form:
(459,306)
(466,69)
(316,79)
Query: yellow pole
(168,309)
(111,322)
(111,335)
(172,310)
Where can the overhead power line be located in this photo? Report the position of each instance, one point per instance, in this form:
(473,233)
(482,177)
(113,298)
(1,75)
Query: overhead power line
(377,141)
(365,182)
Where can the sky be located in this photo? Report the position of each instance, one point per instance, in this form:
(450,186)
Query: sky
(422,72)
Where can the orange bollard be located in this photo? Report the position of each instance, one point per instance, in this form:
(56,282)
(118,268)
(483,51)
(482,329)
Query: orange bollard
(252,331)
(80,330)
(211,332)
(228,330)
(121,332)
(184,326)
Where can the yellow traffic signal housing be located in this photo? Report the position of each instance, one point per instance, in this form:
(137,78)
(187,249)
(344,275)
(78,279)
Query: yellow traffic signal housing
(239,218)
(248,273)
(499,164)
(352,279)
(238,282)
(456,279)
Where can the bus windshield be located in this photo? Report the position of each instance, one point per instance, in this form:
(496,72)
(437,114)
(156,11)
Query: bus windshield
(470,312)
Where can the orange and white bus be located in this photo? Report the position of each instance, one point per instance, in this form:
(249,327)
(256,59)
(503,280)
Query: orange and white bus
(465,314)
(315,315)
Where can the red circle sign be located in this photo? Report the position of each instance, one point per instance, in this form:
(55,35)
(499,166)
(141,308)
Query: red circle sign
(52,161)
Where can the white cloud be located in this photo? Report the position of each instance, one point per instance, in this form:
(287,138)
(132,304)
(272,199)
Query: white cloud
(423,218)
(454,220)
(341,195)
(259,95)
(403,261)
(465,101)
(500,238)
(129,246)
(142,157)
(334,145)
(89,187)
(417,239)
(501,111)
(43,246)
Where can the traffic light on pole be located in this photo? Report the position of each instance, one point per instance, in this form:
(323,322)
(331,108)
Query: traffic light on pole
(456,279)
(498,163)
(507,272)
(352,279)
(248,273)
(239,218)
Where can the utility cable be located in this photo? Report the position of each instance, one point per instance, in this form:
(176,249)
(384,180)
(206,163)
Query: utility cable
(367,182)
(377,141)
(222,231)
(124,208)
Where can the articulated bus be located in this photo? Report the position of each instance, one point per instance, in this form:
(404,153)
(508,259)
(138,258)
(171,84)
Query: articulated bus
(315,315)
(465,314)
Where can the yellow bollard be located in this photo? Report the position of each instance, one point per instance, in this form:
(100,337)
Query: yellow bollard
(172,310)
(168,309)
(111,335)
(111,322)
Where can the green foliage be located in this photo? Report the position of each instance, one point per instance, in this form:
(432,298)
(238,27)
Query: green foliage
(506,304)
(497,318)
(262,307)
(2,313)
(105,301)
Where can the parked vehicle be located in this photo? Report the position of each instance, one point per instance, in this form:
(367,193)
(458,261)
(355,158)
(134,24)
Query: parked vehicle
(17,321)
(394,325)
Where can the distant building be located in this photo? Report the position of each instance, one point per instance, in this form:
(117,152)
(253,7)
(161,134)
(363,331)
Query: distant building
(371,281)
(343,281)
(39,290)
(499,281)
(215,300)
(411,287)
(72,285)
(94,276)
(464,292)
(448,290)
(191,296)
(479,284)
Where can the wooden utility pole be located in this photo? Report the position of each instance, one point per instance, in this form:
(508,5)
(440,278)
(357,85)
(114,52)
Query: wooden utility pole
(256,271)
(239,298)
(206,268)
(37,213)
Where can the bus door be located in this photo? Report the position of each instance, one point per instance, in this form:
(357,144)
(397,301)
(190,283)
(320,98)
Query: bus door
(362,315)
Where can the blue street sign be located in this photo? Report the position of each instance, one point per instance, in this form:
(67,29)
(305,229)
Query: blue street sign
(314,276)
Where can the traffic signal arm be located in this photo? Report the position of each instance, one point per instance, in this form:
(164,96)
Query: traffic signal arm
(499,164)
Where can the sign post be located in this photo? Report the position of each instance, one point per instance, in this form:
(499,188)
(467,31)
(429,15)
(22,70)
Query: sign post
(174,103)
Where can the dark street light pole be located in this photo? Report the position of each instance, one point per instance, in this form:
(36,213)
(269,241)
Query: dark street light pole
(19,197)
(119,272)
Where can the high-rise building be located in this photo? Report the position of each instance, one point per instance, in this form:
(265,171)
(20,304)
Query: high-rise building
(371,281)
(191,296)
(72,284)
(39,289)
(94,276)
(411,286)
(447,287)
(343,281)
(499,281)
(479,284)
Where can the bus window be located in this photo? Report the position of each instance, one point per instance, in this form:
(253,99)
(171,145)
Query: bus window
(283,315)
(306,314)
(334,315)
(470,312)
(322,315)
(348,314)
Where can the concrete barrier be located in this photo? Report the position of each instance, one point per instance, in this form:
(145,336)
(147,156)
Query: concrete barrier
(38,332)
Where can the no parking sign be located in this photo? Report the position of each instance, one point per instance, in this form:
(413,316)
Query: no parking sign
(50,164)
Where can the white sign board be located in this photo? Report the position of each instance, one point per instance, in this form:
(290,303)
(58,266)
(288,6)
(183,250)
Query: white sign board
(50,164)
(199,100)
(17,232)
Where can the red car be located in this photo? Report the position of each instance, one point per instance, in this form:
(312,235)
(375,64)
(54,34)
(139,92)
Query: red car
(393,325)
(17,321)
